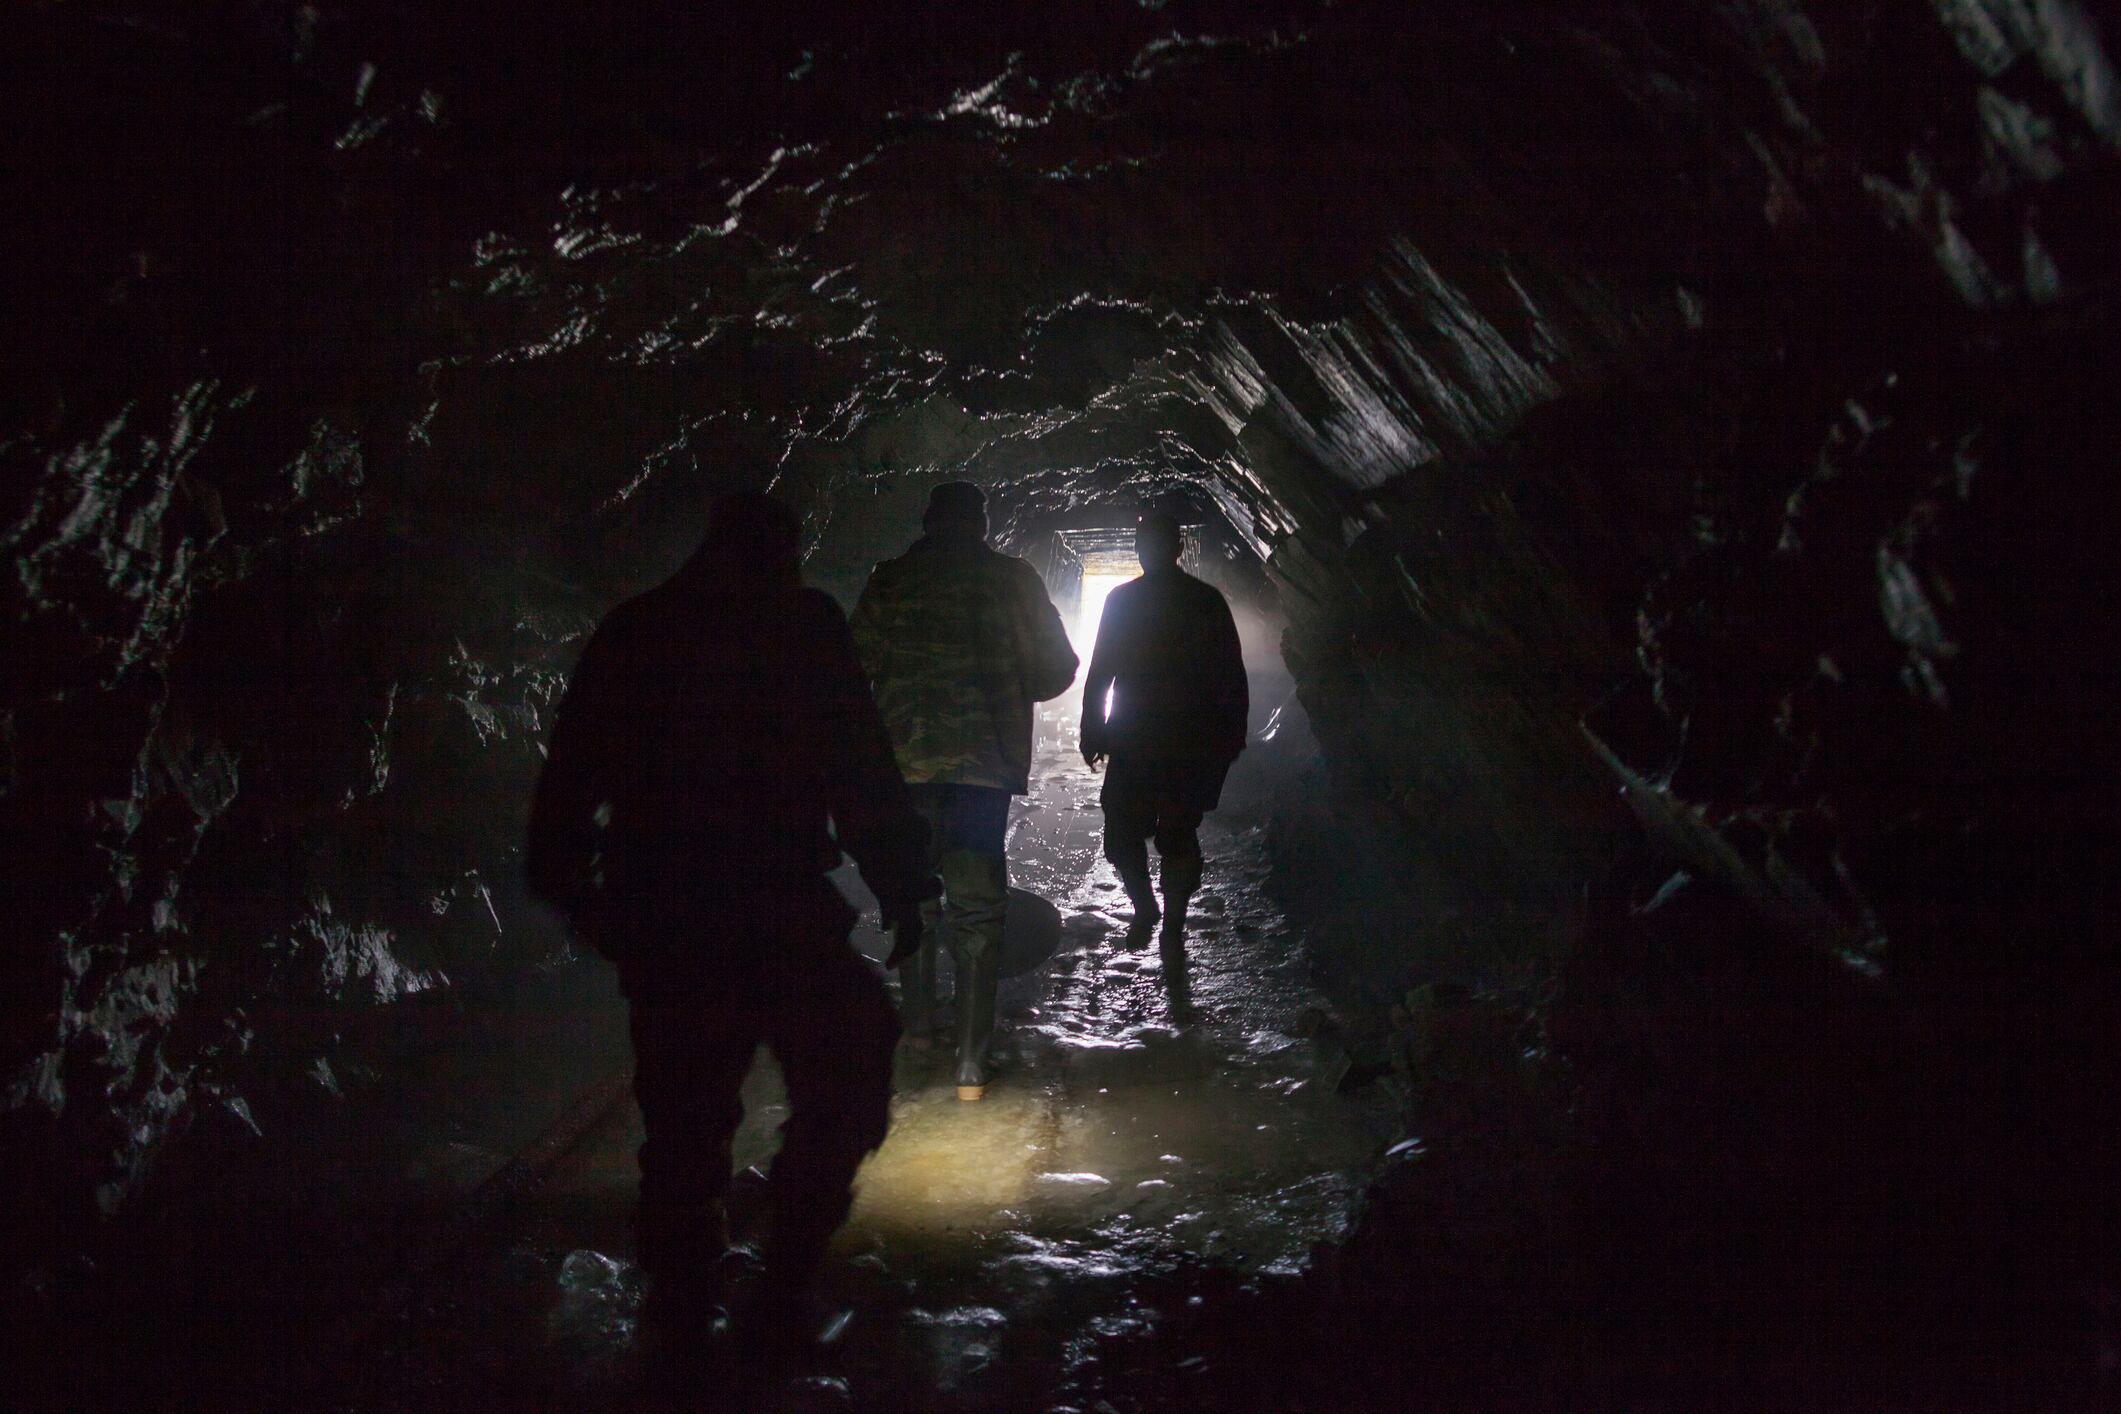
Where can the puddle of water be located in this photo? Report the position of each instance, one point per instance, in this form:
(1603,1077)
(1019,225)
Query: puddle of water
(952,1168)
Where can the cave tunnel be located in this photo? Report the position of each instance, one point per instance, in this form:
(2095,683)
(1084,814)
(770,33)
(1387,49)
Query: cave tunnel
(1660,458)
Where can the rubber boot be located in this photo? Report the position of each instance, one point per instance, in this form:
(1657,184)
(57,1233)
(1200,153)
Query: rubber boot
(682,1242)
(1142,894)
(684,1253)
(977,978)
(782,1320)
(1178,981)
(1174,930)
(1182,871)
(917,984)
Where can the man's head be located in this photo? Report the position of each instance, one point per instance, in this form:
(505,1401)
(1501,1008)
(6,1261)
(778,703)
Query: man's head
(753,537)
(956,509)
(1158,540)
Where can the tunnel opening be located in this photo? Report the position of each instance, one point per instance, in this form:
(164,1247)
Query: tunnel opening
(1098,584)
(1653,457)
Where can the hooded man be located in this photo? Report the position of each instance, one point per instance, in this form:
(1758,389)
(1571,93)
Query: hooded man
(1168,658)
(716,750)
(960,641)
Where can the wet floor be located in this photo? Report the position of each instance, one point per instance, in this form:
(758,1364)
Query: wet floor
(1157,1130)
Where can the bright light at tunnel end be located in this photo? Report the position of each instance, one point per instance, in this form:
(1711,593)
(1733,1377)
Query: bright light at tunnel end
(1096,589)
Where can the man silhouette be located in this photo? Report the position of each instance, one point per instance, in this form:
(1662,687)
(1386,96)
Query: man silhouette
(712,728)
(960,640)
(1167,656)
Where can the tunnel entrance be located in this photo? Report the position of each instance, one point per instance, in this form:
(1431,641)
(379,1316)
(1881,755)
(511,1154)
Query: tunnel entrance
(1098,584)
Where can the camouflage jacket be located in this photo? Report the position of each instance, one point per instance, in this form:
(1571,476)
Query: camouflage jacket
(960,641)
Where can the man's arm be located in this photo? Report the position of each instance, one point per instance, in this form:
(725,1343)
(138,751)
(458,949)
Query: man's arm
(871,641)
(1096,735)
(1049,659)
(560,855)
(872,811)
(1232,691)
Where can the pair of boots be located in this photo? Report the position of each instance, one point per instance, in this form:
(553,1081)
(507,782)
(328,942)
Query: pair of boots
(699,1283)
(1146,913)
(978,977)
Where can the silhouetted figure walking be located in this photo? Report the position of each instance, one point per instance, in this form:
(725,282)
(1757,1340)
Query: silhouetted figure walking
(1167,654)
(711,728)
(960,640)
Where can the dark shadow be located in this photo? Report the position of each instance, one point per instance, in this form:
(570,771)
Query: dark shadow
(1178,981)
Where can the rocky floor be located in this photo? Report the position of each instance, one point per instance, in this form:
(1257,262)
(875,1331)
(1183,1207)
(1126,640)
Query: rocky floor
(1159,1133)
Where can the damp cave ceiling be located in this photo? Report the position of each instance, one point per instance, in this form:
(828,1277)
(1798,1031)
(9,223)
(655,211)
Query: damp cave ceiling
(594,267)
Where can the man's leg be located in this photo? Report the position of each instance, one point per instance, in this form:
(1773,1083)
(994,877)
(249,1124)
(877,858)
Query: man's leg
(918,977)
(691,1050)
(1178,845)
(975,872)
(1130,816)
(833,1030)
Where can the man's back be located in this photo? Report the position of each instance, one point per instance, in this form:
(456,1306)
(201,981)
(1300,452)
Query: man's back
(960,641)
(1168,649)
(718,727)
(714,731)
